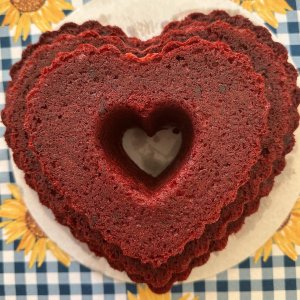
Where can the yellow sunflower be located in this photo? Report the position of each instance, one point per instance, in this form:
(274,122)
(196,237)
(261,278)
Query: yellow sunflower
(22,13)
(144,293)
(266,9)
(20,225)
(287,237)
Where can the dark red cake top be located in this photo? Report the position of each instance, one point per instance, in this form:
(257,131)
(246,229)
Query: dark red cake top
(220,113)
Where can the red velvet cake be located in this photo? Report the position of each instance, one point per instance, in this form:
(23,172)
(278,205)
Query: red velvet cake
(151,106)
(161,252)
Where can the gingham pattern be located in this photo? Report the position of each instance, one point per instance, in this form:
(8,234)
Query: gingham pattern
(278,278)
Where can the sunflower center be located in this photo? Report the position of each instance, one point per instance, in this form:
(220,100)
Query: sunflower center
(33,227)
(27,5)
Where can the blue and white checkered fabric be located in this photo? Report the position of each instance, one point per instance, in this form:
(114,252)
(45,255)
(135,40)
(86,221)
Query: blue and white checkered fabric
(278,278)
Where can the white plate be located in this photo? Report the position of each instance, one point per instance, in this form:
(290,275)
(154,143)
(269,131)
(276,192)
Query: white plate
(144,19)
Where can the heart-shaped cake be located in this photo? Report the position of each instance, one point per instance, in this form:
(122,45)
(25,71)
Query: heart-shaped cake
(213,122)
(219,79)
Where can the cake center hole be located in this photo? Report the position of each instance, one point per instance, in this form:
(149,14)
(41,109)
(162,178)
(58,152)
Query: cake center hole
(152,154)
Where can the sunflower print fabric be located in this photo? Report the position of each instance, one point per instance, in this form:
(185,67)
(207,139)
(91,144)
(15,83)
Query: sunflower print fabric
(19,225)
(20,14)
(266,9)
(16,221)
(286,238)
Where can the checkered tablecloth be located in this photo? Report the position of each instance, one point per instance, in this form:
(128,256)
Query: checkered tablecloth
(278,278)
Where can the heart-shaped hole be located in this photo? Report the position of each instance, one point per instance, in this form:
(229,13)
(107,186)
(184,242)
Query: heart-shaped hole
(152,154)
(129,139)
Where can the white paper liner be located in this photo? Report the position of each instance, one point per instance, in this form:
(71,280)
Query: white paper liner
(144,19)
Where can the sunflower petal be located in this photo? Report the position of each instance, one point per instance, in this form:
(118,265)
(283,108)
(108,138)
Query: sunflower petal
(29,244)
(279,238)
(11,201)
(186,296)
(289,250)
(24,241)
(42,24)
(60,255)
(15,235)
(55,11)
(11,211)
(247,5)
(8,15)
(140,291)
(50,16)
(15,18)
(258,254)
(4,6)
(19,28)
(13,205)
(265,13)
(34,254)
(15,191)
(293,234)
(276,6)
(144,293)
(148,294)
(26,26)
(12,208)
(42,251)
(13,226)
(296,213)
(130,296)
(61,4)
(14,202)
(268,18)
(267,249)
(285,245)
(297,205)
(4,223)
(284,4)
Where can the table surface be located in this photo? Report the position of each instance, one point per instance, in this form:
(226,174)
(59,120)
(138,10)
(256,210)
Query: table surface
(277,278)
